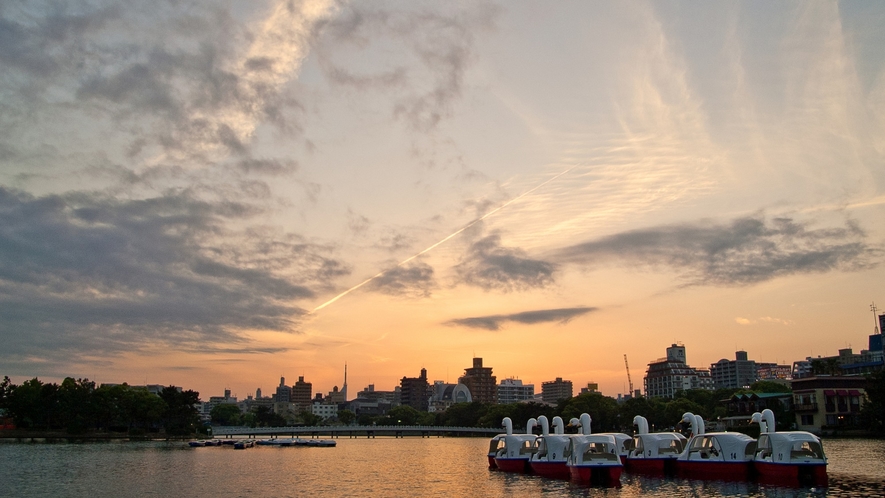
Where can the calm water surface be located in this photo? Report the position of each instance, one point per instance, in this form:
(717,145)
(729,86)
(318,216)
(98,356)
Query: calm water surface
(450,467)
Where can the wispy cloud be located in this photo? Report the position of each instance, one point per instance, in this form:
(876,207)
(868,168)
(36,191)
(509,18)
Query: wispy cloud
(426,53)
(743,251)
(181,80)
(747,321)
(496,322)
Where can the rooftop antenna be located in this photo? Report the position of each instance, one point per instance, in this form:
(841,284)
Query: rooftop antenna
(875,311)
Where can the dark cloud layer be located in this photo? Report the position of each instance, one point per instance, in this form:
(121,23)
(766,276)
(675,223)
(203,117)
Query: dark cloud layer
(413,280)
(83,274)
(744,251)
(490,266)
(495,322)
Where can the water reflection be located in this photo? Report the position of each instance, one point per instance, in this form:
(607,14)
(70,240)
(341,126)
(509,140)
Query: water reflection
(444,467)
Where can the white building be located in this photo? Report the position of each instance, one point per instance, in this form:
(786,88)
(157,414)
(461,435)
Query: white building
(512,390)
(324,410)
(667,376)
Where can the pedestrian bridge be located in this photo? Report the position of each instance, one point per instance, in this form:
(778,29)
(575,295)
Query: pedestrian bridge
(353,431)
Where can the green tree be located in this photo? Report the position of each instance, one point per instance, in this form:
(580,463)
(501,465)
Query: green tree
(402,415)
(180,416)
(76,405)
(463,415)
(872,414)
(309,419)
(603,410)
(366,419)
(265,417)
(225,414)
(346,417)
(6,388)
(33,404)
(674,409)
(767,386)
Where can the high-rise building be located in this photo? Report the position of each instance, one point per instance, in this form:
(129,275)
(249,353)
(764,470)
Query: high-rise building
(482,384)
(734,374)
(666,376)
(284,392)
(301,394)
(512,390)
(555,390)
(415,391)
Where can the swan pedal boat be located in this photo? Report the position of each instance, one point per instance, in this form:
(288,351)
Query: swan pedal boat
(549,455)
(513,451)
(594,459)
(790,457)
(718,455)
(654,453)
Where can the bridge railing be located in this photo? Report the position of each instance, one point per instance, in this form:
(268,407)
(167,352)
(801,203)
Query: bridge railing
(328,429)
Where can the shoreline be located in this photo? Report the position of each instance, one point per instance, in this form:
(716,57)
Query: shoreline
(37,437)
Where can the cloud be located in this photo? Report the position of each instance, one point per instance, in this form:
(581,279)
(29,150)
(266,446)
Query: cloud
(495,322)
(489,266)
(744,251)
(767,319)
(187,79)
(425,54)
(82,274)
(413,280)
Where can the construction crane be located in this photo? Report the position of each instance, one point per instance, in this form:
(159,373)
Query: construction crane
(629,380)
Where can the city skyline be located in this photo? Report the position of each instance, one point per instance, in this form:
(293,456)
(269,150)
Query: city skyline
(218,195)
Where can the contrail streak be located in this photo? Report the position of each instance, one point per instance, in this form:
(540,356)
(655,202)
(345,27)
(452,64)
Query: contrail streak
(465,227)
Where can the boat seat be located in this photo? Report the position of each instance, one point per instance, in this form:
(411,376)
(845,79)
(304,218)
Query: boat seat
(802,454)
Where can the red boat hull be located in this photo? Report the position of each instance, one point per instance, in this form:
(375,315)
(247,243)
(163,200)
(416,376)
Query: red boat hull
(492,464)
(518,465)
(553,470)
(792,474)
(725,471)
(596,474)
(653,466)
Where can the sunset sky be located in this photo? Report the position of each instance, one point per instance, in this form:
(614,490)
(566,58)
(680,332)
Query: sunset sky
(187,186)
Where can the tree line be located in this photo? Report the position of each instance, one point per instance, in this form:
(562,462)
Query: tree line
(76,406)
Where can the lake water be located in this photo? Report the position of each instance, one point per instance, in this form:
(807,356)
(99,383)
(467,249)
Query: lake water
(445,467)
